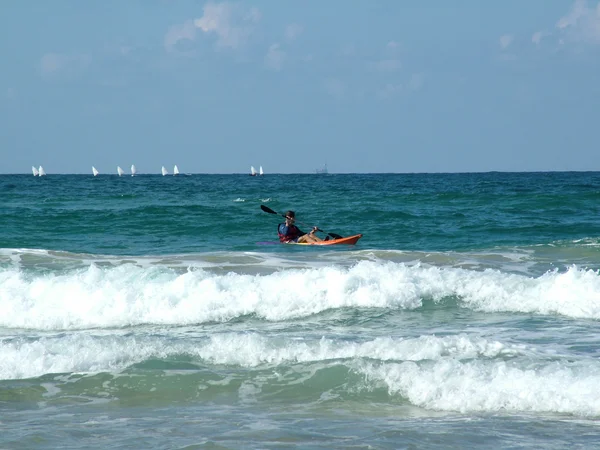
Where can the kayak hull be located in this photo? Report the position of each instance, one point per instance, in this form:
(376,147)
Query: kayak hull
(349,240)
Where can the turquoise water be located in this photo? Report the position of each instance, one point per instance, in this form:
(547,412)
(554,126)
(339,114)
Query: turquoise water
(157,312)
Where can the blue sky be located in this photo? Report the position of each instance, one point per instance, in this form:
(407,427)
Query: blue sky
(364,86)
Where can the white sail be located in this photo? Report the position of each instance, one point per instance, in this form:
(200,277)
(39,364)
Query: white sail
(41,171)
(120,171)
(322,170)
(175,170)
(133,170)
(94,171)
(252,171)
(35,171)
(260,171)
(164,171)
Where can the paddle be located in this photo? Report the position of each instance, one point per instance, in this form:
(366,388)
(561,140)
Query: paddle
(270,211)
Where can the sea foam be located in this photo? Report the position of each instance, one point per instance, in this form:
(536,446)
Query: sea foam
(451,373)
(131,295)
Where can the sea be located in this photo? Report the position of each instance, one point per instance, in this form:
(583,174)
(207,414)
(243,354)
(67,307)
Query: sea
(160,312)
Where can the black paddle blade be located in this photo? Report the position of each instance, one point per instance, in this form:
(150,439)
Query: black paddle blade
(333,235)
(267,209)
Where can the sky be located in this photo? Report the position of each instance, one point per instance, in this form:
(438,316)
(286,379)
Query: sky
(362,86)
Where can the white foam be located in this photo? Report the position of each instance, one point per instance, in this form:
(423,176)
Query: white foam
(252,350)
(130,295)
(453,385)
(72,353)
(451,373)
(84,352)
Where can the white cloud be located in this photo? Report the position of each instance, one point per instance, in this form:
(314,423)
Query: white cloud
(125,50)
(51,62)
(536,38)
(390,90)
(416,82)
(275,57)
(292,31)
(184,31)
(505,41)
(335,87)
(386,65)
(229,22)
(349,50)
(253,15)
(577,12)
(582,22)
(55,64)
(389,60)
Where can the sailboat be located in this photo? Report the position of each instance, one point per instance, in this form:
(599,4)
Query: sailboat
(120,171)
(133,170)
(94,171)
(260,171)
(322,170)
(252,171)
(164,171)
(175,170)
(35,171)
(41,171)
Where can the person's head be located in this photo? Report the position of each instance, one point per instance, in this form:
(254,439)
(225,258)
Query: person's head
(290,216)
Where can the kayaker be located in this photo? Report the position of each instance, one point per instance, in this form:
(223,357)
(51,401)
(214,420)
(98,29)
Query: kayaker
(288,232)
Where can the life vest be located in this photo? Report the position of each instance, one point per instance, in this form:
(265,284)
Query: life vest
(293,233)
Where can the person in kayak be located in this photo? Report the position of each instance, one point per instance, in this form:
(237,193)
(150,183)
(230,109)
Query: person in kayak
(288,232)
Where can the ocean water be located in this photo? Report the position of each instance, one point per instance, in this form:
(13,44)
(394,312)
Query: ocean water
(158,312)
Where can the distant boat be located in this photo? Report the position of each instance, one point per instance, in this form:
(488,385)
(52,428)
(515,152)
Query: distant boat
(35,171)
(252,171)
(94,171)
(164,171)
(133,170)
(120,171)
(322,170)
(260,171)
(175,170)
(41,171)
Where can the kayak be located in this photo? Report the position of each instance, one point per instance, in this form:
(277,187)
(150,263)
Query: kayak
(349,240)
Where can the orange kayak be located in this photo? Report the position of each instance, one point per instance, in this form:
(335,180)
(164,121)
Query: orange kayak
(349,240)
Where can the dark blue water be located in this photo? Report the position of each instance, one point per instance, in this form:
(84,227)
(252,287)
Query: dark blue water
(431,212)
